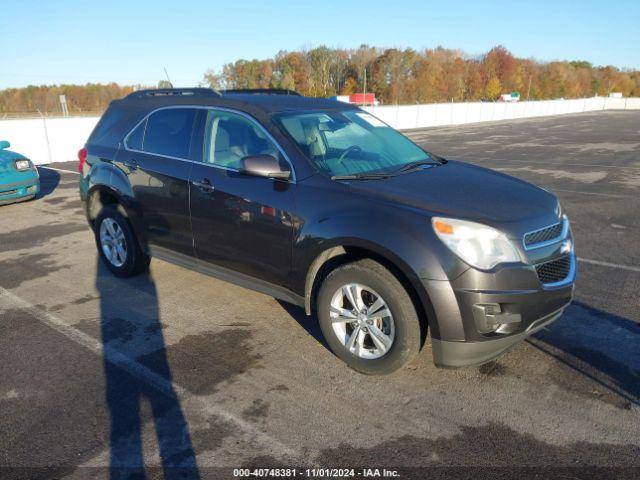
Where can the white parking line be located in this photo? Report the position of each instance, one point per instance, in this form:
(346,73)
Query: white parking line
(58,169)
(142,373)
(608,264)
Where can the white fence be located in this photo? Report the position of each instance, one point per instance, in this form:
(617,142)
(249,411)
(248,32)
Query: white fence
(59,139)
(405,117)
(48,140)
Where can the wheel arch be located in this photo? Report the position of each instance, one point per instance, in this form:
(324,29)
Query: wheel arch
(341,253)
(100,195)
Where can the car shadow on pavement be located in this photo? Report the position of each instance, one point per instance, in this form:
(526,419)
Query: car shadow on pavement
(308,322)
(600,345)
(49,181)
(131,327)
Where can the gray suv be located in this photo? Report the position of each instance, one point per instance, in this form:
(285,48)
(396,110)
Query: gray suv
(320,204)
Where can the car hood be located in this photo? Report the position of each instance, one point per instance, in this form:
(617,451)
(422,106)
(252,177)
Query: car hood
(465,191)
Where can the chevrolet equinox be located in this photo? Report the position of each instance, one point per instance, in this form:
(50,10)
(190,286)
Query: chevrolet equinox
(322,205)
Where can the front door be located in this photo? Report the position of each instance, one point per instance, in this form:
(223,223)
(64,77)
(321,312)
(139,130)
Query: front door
(156,159)
(240,222)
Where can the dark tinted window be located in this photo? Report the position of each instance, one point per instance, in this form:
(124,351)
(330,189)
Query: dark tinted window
(134,141)
(169,132)
(110,118)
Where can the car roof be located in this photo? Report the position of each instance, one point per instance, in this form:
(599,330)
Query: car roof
(264,100)
(278,103)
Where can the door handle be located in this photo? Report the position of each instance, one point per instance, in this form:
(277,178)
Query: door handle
(130,164)
(204,184)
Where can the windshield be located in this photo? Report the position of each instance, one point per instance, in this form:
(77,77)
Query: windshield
(351,142)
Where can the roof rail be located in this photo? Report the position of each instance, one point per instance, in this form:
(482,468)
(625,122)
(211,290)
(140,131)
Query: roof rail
(164,92)
(265,91)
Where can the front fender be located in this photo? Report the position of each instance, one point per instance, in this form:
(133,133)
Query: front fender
(402,237)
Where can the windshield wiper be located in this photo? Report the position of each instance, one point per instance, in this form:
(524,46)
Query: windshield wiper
(409,167)
(414,165)
(361,176)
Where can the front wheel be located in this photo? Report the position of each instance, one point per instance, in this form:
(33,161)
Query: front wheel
(117,244)
(367,318)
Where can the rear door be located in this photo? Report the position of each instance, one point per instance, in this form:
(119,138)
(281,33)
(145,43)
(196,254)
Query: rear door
(240,222)
(157,161)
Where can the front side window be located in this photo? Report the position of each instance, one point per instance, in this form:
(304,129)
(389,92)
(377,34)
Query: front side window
(350,142)
(230,137)
(169,131)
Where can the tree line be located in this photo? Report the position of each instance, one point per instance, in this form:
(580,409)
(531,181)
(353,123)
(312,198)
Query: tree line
(433,75)
(396,76)
(81,99)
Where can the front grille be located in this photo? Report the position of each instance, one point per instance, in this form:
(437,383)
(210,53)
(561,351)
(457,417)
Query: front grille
(555,270)
(8,192)
(543,235)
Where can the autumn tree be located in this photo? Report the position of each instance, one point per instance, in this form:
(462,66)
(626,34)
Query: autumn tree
(362,60)
(401,76)
(320,63)
(88,98)
(392,73)
(493,88)
(499,63)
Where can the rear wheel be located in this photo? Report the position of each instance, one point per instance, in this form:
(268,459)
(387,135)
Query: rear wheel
(367,318)
(117,244)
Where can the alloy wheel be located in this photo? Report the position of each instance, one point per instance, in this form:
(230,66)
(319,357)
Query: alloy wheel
(362,321)
(113,242)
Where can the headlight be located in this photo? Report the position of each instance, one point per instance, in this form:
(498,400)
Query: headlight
(479,245)
(22,165)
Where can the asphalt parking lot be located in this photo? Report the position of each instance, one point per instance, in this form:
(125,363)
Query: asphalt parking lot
(180,368)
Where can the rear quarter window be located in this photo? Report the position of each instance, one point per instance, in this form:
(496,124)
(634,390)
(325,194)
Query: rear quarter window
(110,119)
(168,132)
(135,138)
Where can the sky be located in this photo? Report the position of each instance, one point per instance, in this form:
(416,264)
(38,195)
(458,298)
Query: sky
(131,42)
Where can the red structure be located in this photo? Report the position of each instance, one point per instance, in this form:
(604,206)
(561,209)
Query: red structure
(362,98)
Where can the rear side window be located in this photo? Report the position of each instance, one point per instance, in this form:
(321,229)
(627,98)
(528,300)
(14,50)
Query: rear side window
(134,140)
(169,131)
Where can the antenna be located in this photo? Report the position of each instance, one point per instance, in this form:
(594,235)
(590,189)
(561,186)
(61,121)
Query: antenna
(168,79)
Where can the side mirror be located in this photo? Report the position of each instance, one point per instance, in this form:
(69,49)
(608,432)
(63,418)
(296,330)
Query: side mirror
(4,144)
(264,166)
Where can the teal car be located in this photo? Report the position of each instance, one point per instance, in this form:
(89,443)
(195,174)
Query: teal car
(19,179)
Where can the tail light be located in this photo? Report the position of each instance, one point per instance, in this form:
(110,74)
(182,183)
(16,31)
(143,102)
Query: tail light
(82,157)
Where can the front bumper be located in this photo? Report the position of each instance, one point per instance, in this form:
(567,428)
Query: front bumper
(19,191)
(468,354)
(480,315)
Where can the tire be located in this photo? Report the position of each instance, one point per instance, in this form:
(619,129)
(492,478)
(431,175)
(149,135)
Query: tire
(402,325)
(134,261)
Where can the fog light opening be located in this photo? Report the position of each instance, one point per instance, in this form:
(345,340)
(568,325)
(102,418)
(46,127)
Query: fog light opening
(490,318)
